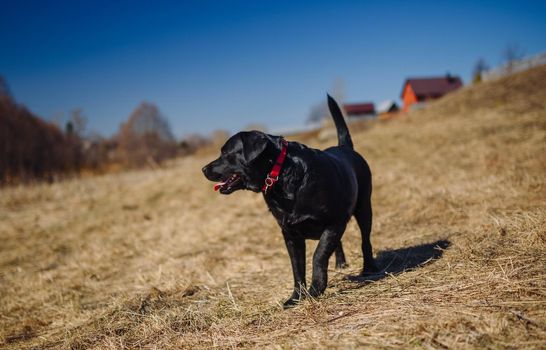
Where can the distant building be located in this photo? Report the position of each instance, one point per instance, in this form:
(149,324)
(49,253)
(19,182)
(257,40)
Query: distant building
(387,110)
(388,106)
(416,91)
(359,110)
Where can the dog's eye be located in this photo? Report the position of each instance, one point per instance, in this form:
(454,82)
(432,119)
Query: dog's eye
(230,157)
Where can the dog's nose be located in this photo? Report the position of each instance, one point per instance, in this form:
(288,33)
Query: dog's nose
(204,170)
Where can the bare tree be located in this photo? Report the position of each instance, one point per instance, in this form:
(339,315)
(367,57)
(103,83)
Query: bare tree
(338,90)
(511,54)
(146,137)
(78,121)
(319,111)
(479,68)
(146,119)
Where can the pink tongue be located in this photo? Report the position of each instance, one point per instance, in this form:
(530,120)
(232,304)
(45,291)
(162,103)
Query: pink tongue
(218,186)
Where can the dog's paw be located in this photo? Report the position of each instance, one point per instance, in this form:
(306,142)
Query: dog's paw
(363,278)
(340,266)
(290,303)
(369,269)
(365,273)
(355,278)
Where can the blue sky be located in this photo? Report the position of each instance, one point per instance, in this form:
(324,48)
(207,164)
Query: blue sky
(225,64)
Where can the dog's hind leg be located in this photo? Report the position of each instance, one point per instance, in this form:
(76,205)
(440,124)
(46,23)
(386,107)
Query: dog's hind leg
(329,241)
(363,215)
(340,257)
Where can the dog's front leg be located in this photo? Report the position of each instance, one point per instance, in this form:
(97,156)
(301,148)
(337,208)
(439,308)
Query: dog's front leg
(296,251)
(328,242)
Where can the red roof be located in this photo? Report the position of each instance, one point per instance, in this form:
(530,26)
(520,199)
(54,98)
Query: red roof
(359,108)
(433,87)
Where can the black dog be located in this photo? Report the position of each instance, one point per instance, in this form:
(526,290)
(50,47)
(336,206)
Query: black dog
(311,193)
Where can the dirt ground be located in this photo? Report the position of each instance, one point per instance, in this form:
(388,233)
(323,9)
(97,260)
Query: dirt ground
(155,259)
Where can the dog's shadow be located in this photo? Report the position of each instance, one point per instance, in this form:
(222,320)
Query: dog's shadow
(393,262)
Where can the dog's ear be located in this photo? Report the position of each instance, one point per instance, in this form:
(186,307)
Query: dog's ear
(254,143)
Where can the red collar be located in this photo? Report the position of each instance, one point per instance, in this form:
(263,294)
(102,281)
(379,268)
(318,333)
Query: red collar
(273,175)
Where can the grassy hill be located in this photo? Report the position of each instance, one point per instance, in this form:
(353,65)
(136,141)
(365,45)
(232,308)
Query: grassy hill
(156,259)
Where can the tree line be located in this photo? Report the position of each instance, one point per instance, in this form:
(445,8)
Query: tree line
(32,148)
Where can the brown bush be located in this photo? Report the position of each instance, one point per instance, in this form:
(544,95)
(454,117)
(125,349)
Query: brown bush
(192,143)
(99,153)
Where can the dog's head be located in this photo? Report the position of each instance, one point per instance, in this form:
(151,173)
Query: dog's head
(244,162)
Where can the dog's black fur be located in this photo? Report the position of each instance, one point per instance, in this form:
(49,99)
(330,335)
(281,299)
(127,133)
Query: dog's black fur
(314,198)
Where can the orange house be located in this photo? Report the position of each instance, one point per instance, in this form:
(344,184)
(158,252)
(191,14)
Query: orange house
(420,90)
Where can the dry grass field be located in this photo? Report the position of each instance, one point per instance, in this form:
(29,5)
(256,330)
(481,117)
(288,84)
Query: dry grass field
(156,260)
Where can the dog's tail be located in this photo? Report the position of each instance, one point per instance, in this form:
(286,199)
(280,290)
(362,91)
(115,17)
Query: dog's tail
(343,136)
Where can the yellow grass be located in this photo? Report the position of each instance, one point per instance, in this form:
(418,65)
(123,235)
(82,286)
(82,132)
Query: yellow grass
(156,259)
